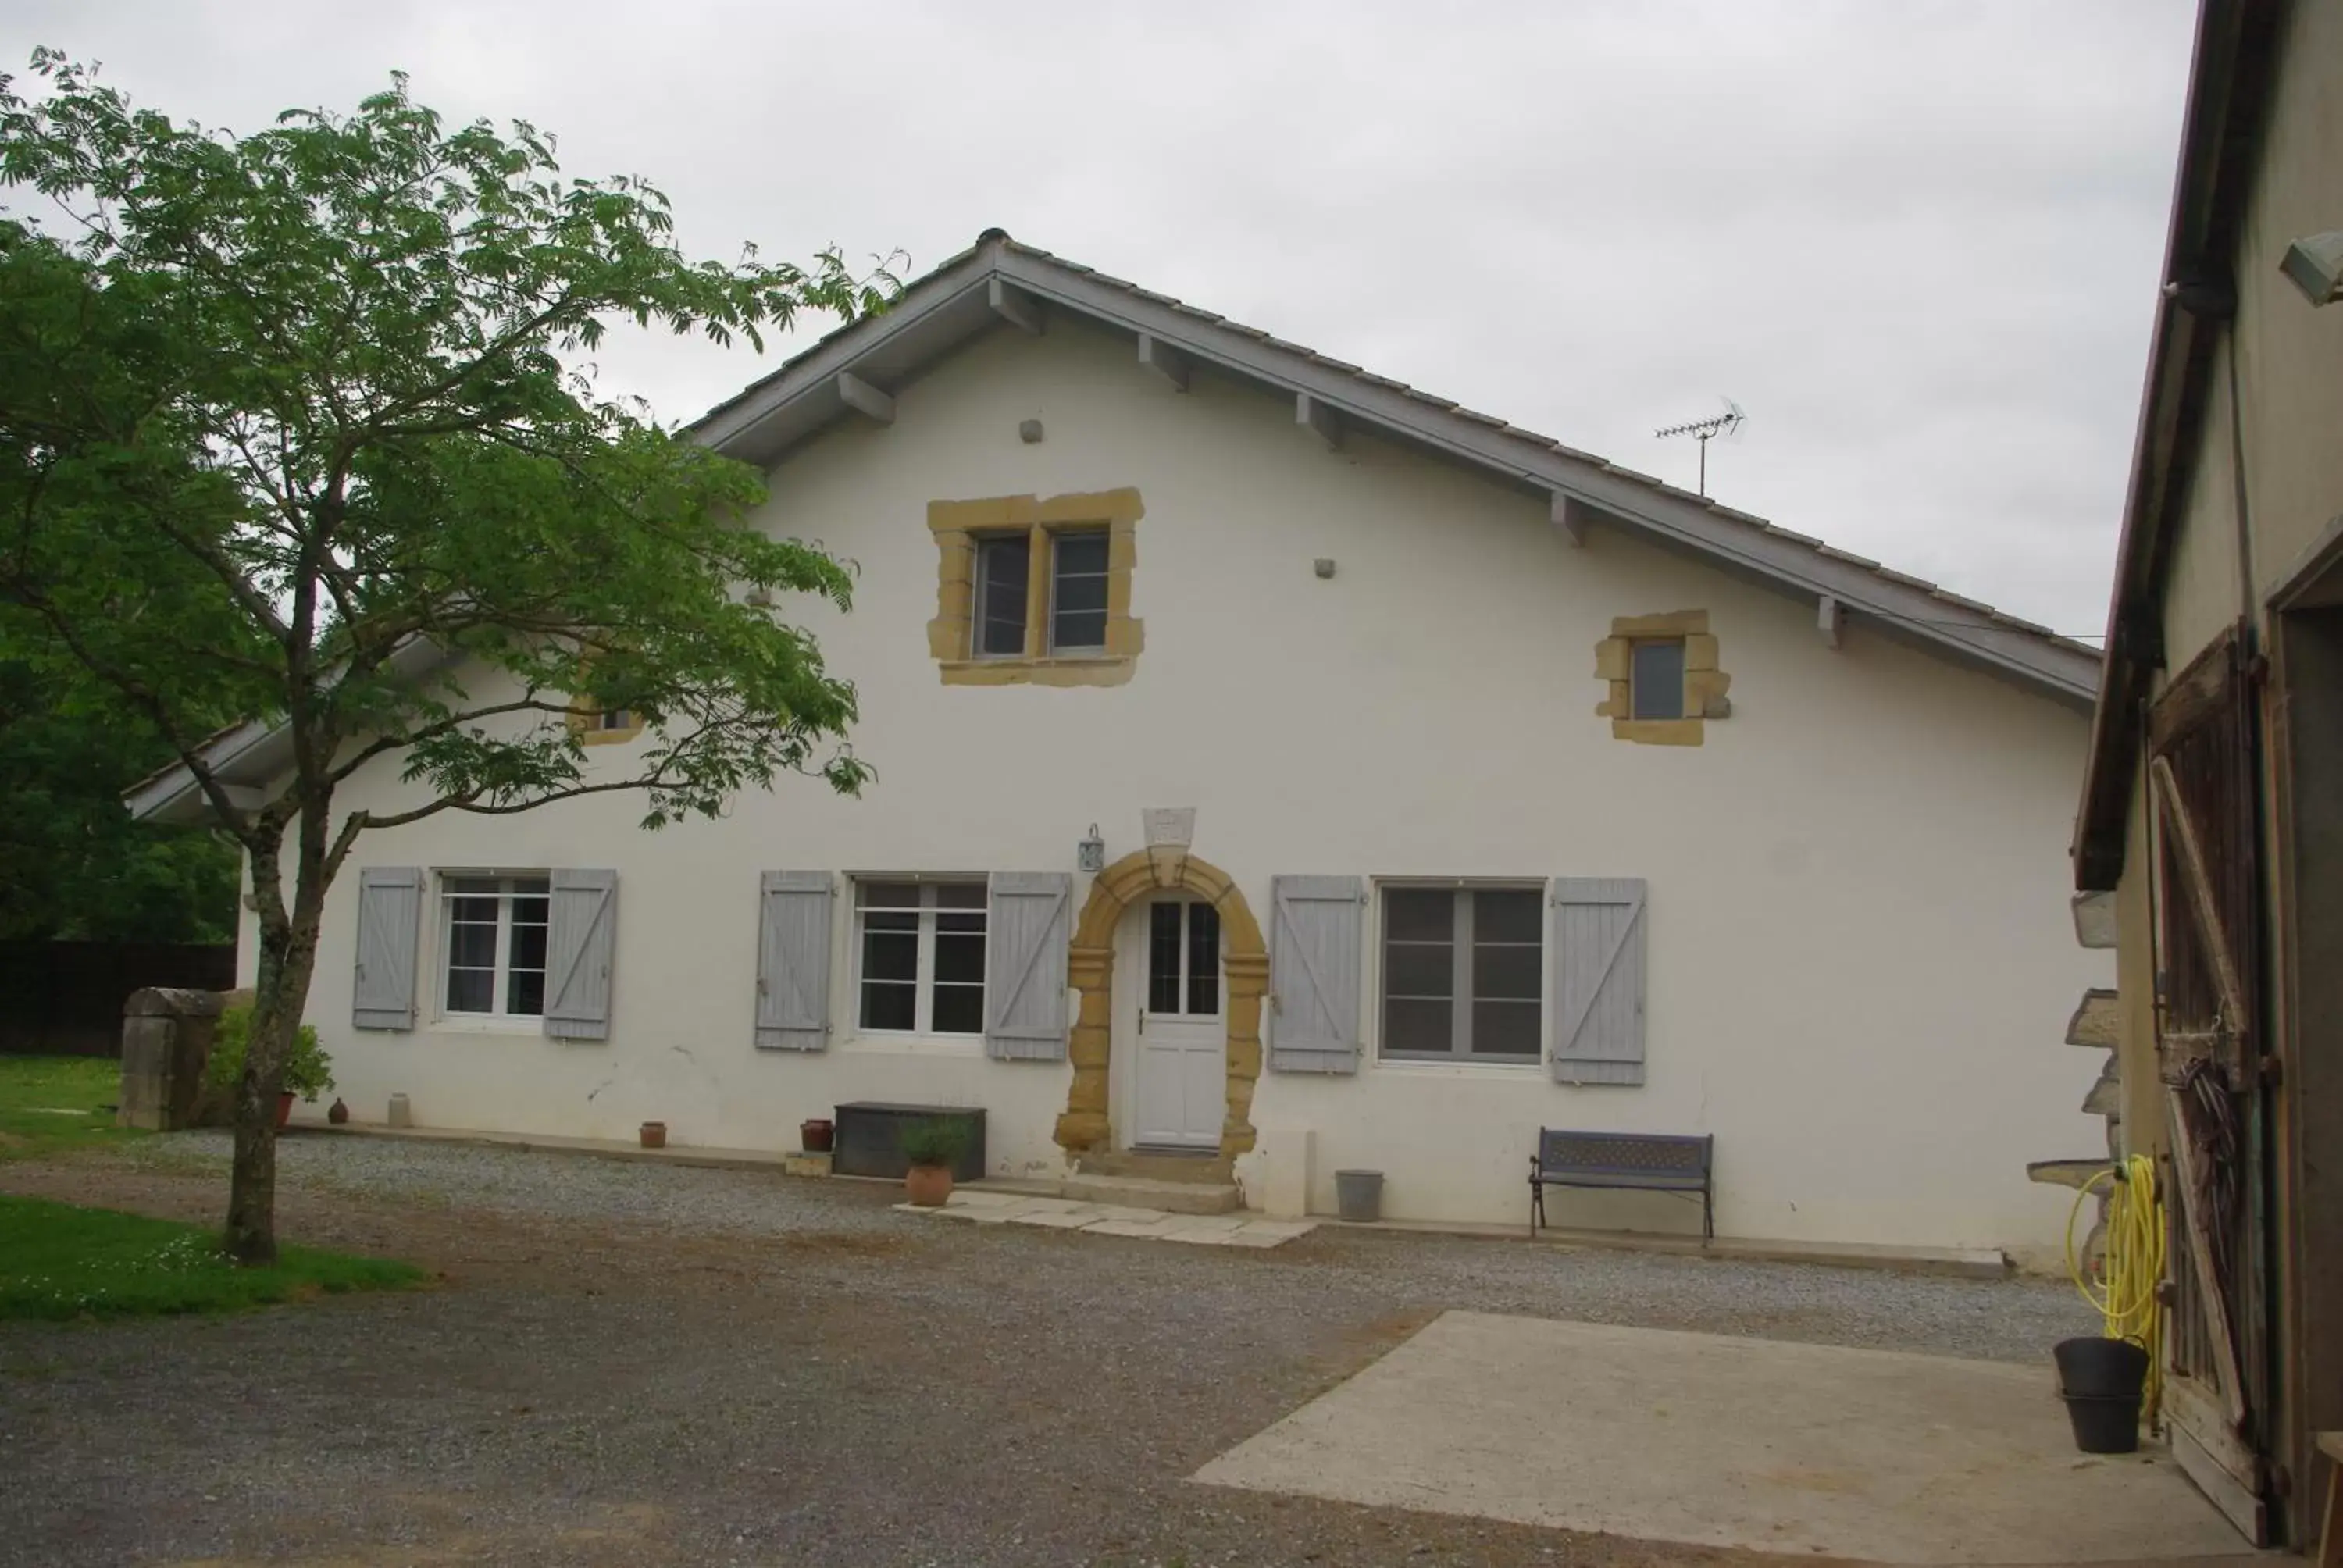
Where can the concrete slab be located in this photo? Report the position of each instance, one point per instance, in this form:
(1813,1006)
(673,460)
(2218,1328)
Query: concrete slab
(1729,1442)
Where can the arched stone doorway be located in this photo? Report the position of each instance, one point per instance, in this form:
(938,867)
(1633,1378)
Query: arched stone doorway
(1090,965)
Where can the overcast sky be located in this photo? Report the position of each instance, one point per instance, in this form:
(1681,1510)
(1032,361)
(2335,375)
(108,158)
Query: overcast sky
(1918,242)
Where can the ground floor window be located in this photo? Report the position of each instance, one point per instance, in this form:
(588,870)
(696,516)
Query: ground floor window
(920,957)
(492,937)
(1463,972)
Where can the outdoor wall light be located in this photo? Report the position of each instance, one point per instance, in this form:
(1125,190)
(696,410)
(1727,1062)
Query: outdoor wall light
(1090,855)
(2315,266)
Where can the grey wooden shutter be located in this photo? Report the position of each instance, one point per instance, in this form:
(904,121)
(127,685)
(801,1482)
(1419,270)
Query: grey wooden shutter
(390,910)
(1598,989)
(1313,973)
(581,926)
(793,961)
(1025,965)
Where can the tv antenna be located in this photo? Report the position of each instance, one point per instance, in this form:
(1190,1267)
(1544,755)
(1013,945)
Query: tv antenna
(1704,430)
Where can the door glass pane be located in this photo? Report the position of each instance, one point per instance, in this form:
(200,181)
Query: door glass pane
(1163,957)
(1203,960)
(1000,576)
(1656,690)
(1506,1029)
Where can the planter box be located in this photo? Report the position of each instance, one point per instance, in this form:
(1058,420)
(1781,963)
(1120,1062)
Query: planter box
(869,1133)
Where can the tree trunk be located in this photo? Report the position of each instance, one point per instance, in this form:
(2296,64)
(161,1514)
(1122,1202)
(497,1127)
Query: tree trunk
(281,990)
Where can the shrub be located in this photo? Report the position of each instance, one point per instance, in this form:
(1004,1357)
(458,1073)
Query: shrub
(309,1070)
(938,1141)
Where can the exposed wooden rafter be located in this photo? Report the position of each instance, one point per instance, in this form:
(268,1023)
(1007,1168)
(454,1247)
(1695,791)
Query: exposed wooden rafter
(1830,620)
(1314,413)
(1014,306)
(1165,360)
(1571,515)
(864,398)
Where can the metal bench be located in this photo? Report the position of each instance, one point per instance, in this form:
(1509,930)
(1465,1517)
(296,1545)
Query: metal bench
(1646,1162)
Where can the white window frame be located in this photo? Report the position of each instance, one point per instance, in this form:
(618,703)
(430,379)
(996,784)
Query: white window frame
(1105,574)
(500,978)
(923,983)
(1461,995)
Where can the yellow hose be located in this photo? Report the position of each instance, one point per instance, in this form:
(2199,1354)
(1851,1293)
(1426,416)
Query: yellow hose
(2131,1266)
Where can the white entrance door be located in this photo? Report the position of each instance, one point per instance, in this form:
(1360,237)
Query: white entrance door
(1181,1088)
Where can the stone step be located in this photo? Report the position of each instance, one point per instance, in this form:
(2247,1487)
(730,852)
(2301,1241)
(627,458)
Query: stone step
(1140,1192)
(1203,1168)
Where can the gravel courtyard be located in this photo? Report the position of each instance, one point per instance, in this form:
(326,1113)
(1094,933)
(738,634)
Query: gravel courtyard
(640,1363)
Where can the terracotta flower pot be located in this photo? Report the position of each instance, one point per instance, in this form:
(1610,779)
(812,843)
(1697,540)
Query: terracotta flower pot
(284,1110)
(654,1134)
(814,1134)
(928,1186)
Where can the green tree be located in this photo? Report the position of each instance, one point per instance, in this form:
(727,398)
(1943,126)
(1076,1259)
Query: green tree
(72,863)
(293,425)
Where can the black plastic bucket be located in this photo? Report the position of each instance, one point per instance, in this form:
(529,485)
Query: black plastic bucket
(2103,1423)
(2098,1368)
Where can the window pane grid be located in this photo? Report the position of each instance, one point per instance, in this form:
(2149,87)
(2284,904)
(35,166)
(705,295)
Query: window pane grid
(1002,570)
(1463,972)
(493,946)
(920,963)
(1078,580)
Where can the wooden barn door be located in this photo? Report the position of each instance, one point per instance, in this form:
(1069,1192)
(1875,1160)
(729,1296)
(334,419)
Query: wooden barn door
(2202,794)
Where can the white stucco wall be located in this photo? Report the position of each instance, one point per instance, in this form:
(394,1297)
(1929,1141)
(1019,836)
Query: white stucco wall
(1857,908)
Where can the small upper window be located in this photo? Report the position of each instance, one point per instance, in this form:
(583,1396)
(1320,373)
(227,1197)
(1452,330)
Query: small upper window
(1001,568)
(615,718)
(1656,682)
(1078,592)
(492,945)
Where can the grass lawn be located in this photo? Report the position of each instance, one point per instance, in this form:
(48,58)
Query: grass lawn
(58,1261)
(50,1104)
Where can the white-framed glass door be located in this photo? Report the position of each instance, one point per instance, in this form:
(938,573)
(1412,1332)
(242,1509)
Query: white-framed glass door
(1180,1082)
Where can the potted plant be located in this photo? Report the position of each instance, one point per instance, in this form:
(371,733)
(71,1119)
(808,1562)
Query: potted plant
(309,1070)
(932,1148)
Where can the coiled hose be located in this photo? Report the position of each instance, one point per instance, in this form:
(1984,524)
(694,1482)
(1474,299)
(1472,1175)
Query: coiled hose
(2131,1265)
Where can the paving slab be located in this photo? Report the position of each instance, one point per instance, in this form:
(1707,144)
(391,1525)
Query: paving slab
(1725,1442)
(1238,1230)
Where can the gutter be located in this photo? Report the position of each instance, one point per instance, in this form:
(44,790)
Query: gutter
(2229,80)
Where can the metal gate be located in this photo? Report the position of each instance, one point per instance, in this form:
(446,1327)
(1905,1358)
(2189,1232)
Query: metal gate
(2203,793)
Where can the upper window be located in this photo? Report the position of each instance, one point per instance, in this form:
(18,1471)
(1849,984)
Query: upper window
(1460,972)
(1655,681)
(1036,590)
(492,941)
(920,951)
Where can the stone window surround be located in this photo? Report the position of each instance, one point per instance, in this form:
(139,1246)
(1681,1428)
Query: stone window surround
(586,723)
(1705,683)
(956,526)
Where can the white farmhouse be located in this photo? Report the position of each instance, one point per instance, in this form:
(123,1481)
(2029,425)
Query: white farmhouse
(1526,792)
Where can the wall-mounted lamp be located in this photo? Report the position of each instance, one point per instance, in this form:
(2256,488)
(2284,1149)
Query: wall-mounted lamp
(1090,855)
